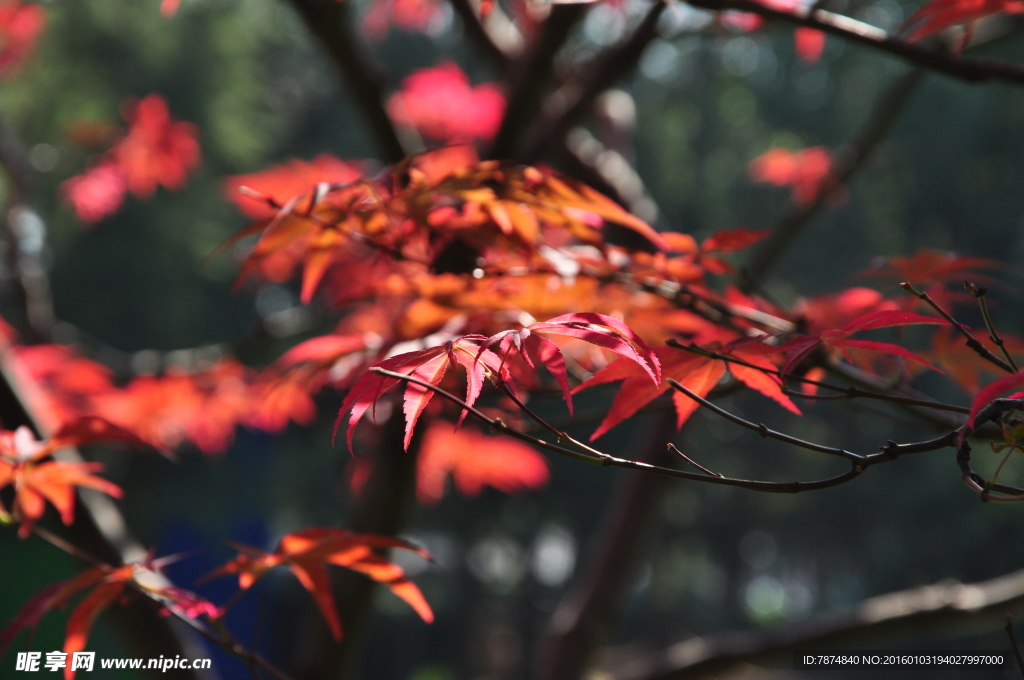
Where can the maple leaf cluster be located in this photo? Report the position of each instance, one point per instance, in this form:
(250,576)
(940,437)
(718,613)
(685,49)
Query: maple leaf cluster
(445,262)
(306,553)
(26,464)
(807,172)
(155,151)
(202,407)
(442,106)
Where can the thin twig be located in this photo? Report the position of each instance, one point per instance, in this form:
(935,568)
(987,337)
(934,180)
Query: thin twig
(970,69)
(563,437)
(612,461)
(986,490)
(972,341)
(672,447)
(979,293)
(763,429)
(1013,642)
(848,392)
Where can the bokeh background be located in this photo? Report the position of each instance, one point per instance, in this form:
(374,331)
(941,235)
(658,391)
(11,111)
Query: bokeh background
(704,103)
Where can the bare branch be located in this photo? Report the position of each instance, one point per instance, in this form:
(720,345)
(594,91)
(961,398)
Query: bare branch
(763,429)
(531,74)
(850,392)
(970,69)
(611,461)
(972,341)
(979,293)
(331,22)
(942,605)
(574,98)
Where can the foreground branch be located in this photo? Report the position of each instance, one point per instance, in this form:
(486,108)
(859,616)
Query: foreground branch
(889,452)
(969,69)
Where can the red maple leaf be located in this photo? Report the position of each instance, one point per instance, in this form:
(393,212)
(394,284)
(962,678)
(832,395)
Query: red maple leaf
(157,150)
(806,171)
(939,15)
(442,105)
(475,460)
(933,269)
(839,339)
(282,183)
(20,25)
(97,193)
(429,365)
(308,552)
(697,372)
(597,329)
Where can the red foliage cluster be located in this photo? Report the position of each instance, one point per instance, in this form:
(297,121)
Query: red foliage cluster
(939,15)
(20,26)
(442,106)
(202,407)
(25,465)
(156,150)
(475,460)
(408,15)
(806,172)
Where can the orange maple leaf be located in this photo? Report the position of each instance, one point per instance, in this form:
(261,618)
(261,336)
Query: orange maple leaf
(36,481)
(308,552)
(475,460)
(157,149)
(807,171)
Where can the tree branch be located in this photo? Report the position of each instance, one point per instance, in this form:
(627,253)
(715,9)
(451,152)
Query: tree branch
(606,460)
(970,69)
(486,35)
(331,22)
(589,612)
(531,75)
(574,98)
(972,341)
(942,605)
